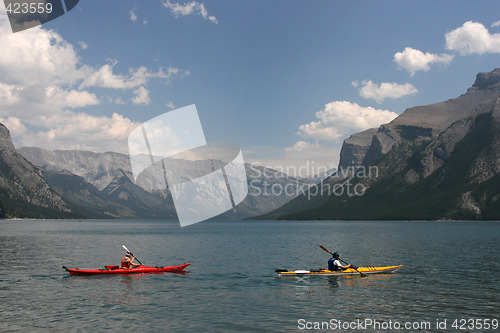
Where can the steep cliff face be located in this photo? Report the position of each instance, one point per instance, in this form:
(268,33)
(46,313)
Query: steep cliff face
(355,148)
(428,120)
(440,150)
(448,171)
(23,191)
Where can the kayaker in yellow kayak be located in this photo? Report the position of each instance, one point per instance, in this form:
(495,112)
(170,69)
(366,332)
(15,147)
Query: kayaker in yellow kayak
(128,261)
(334,263)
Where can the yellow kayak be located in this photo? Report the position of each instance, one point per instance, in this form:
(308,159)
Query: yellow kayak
(349,271)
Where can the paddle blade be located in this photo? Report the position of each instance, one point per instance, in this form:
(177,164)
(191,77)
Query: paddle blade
(324,249)
(125,248)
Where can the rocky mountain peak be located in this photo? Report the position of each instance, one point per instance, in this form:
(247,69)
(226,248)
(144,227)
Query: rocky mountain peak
(5,139)
(424,121)
(487,81)
(355,148)
(23,191)
(440,161)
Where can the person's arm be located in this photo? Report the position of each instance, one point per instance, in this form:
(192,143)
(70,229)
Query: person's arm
(342,266)
(132,262)
(345,267)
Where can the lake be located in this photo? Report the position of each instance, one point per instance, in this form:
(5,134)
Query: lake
(449,282)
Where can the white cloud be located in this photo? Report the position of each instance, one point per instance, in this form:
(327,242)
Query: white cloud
(495,24)
(43,82)
(317,130)
(337,120)
(9,94)
(83,45)
(60,98)
(341,118)
(14,125)
(472,37)
(302,146)
(37,55)
(71,130)
(191,8)
(384,90)
(105,78)
(133,15)
(170,105)
(38,70)
(414,60)
(141,96)
(134,18)
(79,130)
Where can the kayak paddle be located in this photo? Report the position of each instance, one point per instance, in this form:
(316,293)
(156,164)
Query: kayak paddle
(132,254)
(354,267)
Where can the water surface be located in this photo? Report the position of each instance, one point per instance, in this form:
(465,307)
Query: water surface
(451,272)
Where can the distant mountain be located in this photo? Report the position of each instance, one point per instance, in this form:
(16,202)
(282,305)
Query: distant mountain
(92,203)
(268,189)
(144,204)
(118,196)
(440,161)
(23,191)
(99,169)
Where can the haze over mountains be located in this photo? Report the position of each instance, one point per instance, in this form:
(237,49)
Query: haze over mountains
(439,161)
(101,185)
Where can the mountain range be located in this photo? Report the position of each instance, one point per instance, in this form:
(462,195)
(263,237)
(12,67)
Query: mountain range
(101,185)
(439,161)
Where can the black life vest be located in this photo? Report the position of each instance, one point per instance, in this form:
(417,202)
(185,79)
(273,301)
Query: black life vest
(332,266)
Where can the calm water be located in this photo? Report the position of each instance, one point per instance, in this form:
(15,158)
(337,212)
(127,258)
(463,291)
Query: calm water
(451,271)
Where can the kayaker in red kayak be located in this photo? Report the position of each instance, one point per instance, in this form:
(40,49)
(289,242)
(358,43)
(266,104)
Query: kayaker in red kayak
(128,261)
(334,263)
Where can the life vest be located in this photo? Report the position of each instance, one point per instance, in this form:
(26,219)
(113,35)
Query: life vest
(125,265)
(332,266)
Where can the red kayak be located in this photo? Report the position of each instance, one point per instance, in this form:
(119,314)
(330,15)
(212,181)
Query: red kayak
(118,270)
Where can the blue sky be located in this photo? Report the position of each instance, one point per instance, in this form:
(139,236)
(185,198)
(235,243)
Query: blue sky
(286,80)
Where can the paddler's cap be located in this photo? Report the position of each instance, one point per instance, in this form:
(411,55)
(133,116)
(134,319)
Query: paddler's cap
(335,254)
(128,254)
